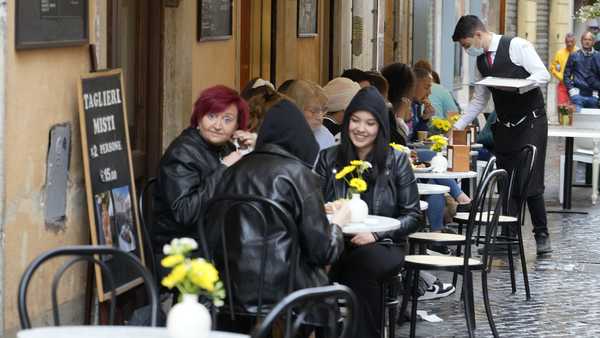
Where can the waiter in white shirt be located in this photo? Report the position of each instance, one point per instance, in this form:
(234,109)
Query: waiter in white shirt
(521,117)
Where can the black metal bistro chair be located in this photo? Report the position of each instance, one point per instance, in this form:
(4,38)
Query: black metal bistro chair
(512,219)
(486,210)
(145,209)
(296,307)
(228,212)
(90,254)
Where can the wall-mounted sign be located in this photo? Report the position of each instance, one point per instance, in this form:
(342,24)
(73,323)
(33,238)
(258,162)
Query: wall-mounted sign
(108,170)
(214,19)
(307,18)
(51,23)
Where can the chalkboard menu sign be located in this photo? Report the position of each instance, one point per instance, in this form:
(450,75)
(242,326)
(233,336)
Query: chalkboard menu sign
(214,19)
(110,186)
(51,23)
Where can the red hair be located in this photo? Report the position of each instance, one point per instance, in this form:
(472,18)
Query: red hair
(215,100)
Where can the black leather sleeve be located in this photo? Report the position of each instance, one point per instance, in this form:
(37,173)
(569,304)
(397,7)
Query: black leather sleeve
(187,188)
(407,200)
(321,242)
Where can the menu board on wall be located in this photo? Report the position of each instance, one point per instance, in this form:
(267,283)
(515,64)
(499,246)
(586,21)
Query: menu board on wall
(50,23)
(307,18)
(214,19)
(108,170)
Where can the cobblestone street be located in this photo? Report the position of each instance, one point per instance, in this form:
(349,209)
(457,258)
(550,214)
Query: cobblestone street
(564,285)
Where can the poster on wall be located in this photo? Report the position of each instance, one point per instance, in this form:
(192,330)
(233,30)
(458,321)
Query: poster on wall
(50,23)
(109,180)
(214,19)
(307,18)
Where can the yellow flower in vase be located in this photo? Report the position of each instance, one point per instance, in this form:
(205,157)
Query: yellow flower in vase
(356,183)
(439,143)
(441,125)
(191,276)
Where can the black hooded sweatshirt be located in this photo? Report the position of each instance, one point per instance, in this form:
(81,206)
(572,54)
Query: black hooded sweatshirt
(392,187)
(278,169)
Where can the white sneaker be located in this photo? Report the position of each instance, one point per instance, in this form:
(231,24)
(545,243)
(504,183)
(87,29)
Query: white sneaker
(438,290)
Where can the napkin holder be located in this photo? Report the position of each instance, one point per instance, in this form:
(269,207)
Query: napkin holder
(459,158)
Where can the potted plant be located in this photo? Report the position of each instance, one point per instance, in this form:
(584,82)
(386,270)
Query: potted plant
(565,115)
(359,210)
(192,277)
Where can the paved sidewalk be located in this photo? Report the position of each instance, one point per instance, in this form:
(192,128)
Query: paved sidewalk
(564,285)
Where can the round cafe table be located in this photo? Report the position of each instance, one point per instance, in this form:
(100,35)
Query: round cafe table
(372,224)
(458,175)
(432,189)
(105,331)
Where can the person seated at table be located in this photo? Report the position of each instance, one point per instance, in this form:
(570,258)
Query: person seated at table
(422,109)
(194,162)
(371,258)
(578,73)
(339,92)
(401,81)
(260,99)
(280,169)
(312,101)
(441,98)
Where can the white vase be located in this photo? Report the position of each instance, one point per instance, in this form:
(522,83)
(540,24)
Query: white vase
(189,319)
(359,210)
(439,163)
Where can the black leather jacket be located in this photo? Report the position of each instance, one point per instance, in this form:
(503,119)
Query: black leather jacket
(395,194)
(188,175)
(272,172)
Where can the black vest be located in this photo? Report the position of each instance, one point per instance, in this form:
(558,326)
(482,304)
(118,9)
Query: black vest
(510,106)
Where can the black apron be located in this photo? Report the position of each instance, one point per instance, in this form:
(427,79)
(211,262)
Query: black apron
(521,117)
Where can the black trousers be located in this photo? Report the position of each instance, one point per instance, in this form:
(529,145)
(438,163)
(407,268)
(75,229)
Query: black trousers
(508,144)
(363,269)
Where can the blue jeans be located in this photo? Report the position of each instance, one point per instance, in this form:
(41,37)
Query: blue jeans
(437,203)
(581,101)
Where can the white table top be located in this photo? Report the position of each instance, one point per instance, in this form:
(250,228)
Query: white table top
(432,189)
(448,174)
(109,331)
(476,146)
(372,224)
(566,131)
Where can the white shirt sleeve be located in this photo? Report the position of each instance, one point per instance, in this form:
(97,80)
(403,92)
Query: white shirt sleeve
(522,53)
(479,101)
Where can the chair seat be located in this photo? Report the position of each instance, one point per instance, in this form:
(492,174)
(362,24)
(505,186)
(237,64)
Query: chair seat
(437,237)
(464,217)
(440,261)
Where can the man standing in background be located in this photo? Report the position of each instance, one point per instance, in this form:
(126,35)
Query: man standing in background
(557,67)
(577,73)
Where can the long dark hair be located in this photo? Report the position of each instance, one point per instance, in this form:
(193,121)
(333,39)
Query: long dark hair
(401,80)
(370,100)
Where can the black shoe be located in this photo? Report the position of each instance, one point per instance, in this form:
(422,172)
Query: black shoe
(542,242)
(463,207)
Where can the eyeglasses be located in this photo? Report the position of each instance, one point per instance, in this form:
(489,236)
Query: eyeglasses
(317,110)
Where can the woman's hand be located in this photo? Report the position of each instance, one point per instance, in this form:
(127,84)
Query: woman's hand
(428,110)
(363,239)
(341,214)
(230,159)
(245,139)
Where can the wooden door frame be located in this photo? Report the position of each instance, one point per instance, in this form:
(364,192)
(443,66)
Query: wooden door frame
(149,83)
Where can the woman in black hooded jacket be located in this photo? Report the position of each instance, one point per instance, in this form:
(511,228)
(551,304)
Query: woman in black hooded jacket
(370,258)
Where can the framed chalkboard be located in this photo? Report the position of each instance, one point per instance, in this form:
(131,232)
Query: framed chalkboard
(50,23)
(214,19)
(307,18)
(108,170)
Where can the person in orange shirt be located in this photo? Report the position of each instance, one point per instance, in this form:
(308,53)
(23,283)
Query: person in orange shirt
(557,67)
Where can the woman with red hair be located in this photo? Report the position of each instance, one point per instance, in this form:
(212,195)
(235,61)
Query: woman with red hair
(193,164)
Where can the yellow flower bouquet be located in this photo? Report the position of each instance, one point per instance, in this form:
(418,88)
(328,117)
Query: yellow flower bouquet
(191,275)
(355,169)
(441,126)
(439,143)
(454,118)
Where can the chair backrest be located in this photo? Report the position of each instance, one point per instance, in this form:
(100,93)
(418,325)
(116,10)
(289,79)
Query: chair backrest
(486,210)
(145,209)
(90,254)
(230,207)
(299,305)
(519,183)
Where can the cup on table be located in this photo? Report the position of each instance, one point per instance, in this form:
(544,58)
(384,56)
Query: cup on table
(422,135)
